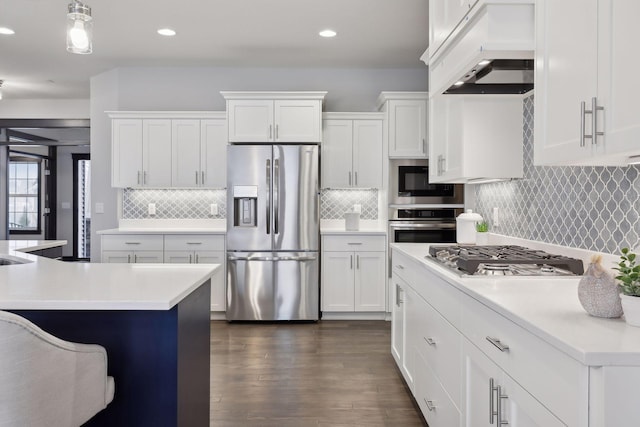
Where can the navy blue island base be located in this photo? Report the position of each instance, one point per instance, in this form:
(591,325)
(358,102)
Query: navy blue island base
(159,359)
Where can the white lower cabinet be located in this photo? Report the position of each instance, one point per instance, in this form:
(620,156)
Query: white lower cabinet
(171,249)
(493,398)
(434,402)
(353,273)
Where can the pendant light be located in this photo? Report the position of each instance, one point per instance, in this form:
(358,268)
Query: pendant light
(79,28)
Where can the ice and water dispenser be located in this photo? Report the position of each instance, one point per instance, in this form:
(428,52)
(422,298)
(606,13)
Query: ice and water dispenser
(245,204)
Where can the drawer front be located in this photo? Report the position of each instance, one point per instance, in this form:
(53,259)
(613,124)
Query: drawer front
(354,243)
(435,404)
(193,242)
(404,267)
(441,346)
(556,380)
(441,295)
(132,242)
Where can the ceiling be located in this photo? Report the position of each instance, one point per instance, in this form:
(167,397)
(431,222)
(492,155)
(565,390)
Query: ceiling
(34,62)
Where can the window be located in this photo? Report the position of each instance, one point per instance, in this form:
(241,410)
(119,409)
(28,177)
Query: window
(24,196)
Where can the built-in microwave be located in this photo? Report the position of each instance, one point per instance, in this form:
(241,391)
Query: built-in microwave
(410,185)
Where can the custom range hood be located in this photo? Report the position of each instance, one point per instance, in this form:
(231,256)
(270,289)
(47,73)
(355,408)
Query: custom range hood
(490,51)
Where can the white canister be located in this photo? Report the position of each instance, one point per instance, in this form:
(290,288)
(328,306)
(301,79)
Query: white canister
(352,221)
(466,227)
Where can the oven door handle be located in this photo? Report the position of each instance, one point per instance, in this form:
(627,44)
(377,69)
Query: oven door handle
(408,226)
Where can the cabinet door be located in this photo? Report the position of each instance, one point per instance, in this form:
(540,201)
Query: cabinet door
(112,257)
(156,153)
(397,320)
(445,161)
(250,120)
(367,153)
(370,281)
(126,150)
(213,153)
(523,410)
(433,400)
(337,281)
(479,371)
(565,76)
(407,128)
(297,121)
(618,34)
(143,257)
(337,149)
(185,146)
(218,280)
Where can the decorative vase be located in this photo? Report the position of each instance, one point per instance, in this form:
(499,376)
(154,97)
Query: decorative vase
(482,238)
(598,292)
(631,307)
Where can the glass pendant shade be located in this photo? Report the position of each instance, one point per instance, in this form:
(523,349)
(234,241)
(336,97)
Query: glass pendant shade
(79,28)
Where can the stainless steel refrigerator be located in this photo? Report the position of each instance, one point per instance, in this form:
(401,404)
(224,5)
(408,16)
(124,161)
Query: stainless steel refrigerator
(272,232)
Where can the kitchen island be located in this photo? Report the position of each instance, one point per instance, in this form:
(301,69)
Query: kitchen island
(460,341)
(152,319)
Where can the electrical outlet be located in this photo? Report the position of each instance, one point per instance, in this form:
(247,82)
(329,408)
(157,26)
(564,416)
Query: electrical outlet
(496,217)
(357,208)
(214,209)
(152,209)
(99,208)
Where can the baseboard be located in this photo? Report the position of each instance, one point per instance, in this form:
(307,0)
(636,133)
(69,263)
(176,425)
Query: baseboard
(354,316)
(218,315)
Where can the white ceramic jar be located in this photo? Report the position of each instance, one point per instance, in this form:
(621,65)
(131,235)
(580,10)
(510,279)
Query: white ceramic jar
(466,227)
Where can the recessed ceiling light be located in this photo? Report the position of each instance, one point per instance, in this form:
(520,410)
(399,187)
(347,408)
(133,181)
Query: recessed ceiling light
(327,33)
(6,31)
(484,62)
(458,83)
(166,32)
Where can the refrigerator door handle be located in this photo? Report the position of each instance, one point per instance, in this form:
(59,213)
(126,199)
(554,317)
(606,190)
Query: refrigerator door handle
(271,258)
(276,190)
(268,204)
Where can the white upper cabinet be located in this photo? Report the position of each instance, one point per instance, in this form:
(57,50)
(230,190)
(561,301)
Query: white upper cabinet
(585,60)
(168,149)
(444,17)
(352,150)
(274,117)
(141,153)
(475,138)
(407,115)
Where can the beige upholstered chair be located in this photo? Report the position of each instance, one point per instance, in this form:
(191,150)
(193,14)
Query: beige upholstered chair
(45,381)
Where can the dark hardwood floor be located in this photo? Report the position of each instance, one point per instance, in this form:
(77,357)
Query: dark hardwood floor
(330,373)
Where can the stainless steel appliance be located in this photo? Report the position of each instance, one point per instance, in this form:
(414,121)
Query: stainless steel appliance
(422,225)
(504,260)
(272,232)
(410,185)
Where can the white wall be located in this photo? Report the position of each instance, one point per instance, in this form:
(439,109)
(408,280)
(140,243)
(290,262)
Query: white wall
(44,109)
(198,88)
(65,195)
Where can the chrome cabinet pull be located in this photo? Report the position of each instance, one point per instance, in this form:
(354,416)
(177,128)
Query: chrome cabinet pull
(202,178)
(354,243)
(135,258)
(277,133)
(594,120)
(194,243)
(400,267)
(430,341)
(430,405)
(129,258)
(138,177)
(356,178)
(498,344)
(190,258)
(131,243)
(492,413)
(197,259)
(501,396)
(424,146)
(351,261)
(270,132)
(349,178)
(358,262)
(398,295)
(196,177)
(144,177)
(583,112)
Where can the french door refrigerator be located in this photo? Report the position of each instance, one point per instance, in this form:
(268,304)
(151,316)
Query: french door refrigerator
(272,232)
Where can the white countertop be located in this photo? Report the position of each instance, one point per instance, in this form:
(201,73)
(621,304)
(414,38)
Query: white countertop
(547,307)
(46,284)
(163,231)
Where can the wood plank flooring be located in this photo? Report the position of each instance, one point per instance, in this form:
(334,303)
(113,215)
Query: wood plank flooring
(330,373)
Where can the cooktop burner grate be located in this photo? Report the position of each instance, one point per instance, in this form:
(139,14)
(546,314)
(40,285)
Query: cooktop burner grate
(469,258)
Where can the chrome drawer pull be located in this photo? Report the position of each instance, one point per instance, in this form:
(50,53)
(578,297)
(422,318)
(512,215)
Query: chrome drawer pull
(194,243)
(430,341)
(430,405)
(131,243)
(354,243)
(499,345)
(400,267)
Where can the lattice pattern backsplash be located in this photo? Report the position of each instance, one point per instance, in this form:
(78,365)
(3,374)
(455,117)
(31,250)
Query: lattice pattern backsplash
(195,204)
(173,203)
(594,208)
(334,203)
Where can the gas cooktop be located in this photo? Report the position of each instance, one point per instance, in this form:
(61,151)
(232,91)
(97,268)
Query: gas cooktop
(504,260)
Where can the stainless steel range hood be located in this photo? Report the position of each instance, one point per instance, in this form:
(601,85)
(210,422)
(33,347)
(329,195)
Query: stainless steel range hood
(489,52)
